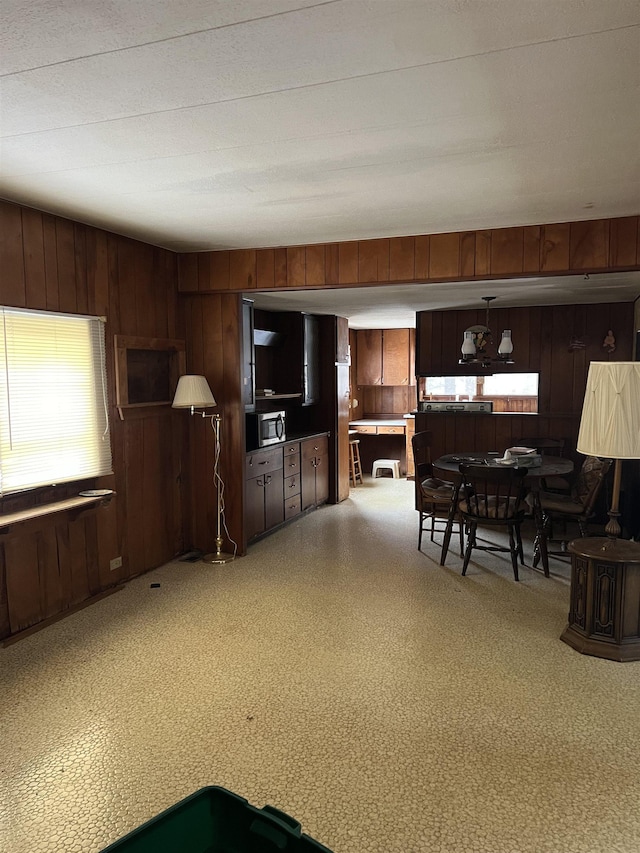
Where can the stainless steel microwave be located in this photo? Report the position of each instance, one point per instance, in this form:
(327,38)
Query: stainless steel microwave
(266,428)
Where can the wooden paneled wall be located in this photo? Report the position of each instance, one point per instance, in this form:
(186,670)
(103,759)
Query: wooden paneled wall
(214,349)
(50,565)
(544,341)
(567,247)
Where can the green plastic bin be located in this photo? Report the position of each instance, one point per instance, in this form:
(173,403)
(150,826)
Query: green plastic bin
(214,820)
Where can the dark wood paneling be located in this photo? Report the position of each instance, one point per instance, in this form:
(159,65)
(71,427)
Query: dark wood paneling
(315,265)
(563,247)
(33,243)
(589,247)
(214,350)
(507,247)
(444,256)
(12,255)
(402,256)
(56,264)
(347,263)
(296,266)
(554,248)
(623,238)
(67,287)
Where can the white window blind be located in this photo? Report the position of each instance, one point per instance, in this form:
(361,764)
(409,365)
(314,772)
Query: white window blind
(54,425)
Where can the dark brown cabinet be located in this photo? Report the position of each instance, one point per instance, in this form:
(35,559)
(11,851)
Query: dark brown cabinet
(385,357)
(281,482)
(292,505)
(314,461)
(264,484)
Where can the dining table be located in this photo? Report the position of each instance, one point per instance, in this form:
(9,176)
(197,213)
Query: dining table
(447,467)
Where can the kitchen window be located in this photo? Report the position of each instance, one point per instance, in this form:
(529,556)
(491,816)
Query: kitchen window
(509,392)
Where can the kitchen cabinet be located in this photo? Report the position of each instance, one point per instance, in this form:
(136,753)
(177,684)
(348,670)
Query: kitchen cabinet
(385,356)
(292,486)
(248,357)
(314,480)
(264,491)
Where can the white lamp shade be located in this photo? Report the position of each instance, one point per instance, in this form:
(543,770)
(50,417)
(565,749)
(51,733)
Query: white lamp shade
(468,346)
(193,391)
(506,344)
(610,424)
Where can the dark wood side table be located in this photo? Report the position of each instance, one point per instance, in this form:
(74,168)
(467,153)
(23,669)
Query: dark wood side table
(604,611)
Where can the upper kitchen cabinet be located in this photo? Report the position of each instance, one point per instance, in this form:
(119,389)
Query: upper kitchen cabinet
(385,356)
(287,356)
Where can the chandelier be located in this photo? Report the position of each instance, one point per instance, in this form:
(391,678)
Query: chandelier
(476,339)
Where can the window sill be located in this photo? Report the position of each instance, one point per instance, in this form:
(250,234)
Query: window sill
(76,505)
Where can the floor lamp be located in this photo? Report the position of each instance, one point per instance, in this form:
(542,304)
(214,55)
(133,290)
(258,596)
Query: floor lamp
(193,392)
(610,424)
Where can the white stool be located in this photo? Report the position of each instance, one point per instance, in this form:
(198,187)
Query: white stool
(392,464)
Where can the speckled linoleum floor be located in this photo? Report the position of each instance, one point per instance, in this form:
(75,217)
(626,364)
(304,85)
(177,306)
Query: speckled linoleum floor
(388,704)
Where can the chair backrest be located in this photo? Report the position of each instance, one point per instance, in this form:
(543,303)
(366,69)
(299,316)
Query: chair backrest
(589,481)
(491,493)
(421,446)
(550,446)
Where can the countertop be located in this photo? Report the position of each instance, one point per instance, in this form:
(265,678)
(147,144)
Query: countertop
(397,422)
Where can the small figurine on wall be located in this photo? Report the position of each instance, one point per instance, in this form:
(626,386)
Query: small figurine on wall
(609,343)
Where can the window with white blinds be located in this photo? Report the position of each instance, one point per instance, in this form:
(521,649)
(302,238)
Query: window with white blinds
(54,424)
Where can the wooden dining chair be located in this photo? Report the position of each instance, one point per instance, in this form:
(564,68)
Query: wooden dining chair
(492,497)
(433,495)
(578,506)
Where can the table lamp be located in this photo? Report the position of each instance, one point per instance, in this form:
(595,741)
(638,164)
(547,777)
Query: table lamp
(193,392)
(610,423)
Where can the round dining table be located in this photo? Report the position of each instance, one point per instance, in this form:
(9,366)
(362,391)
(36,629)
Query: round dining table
(448,468)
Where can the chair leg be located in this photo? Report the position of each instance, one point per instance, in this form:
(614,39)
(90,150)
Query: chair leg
(514,552)
(471,539)
(421,523)
(461,532)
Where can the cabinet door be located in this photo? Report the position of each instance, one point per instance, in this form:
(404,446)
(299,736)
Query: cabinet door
(248,357)
(396,368)
(273,499)
(322,478)
(369,357)
(310,359)
(308,473)
(254,517)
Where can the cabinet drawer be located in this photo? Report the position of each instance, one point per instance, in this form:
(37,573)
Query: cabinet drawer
(292,506)
(291,486)
(291,465)
(390,430)
(365,430)
(313,447)
(261,461)
(291,448)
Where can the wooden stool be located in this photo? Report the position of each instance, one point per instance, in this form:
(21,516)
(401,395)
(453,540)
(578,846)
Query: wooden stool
(392,464)
(355,470)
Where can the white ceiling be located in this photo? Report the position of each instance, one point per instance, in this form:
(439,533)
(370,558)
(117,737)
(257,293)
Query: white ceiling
(211,124)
